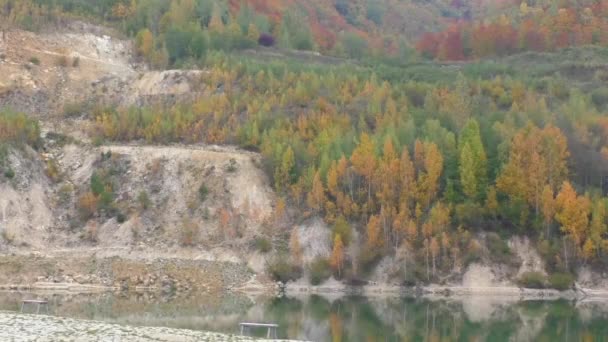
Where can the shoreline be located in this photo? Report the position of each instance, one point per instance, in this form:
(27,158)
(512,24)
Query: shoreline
(339,290)
(17,326)
(59,287)
(441,291)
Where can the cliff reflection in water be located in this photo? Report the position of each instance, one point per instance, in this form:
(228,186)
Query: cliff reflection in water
(317,318)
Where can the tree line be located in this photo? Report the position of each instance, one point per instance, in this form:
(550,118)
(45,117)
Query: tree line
(178,33)
(546,27)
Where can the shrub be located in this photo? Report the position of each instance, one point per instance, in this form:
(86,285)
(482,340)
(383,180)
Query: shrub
(76,62)
(232,166)
(532,280)
(600,97)
(97,186)
(71,110)
(135,231)
(144,200)
(203,192)
(375,12)
(266,40)
(106,200)
(320,271)
(499,249)
(280,269)
(189,233)
(9,173)
(343,229)
(61,61)
(91,233)
(18,128)
(263,244)
(354,46)
(52,170)
(504,101)
(468,213)
(121,217)
(342,7)
(561,281)
(65,193)
(601,76)
(8,237)
(369,258)
(87,205)
(60,139)
(473,253)
(560,90)
(35,61)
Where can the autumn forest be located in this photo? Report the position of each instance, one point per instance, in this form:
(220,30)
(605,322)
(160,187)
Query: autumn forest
(425,150)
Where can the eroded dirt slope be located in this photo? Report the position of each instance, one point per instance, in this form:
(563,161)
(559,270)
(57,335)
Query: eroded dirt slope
(43,218)
(50,73)
(180,204)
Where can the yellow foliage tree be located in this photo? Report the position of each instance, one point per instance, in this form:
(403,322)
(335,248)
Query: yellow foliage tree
(374,241)
(295,247)
(428,178)
(572,212)
(364,161)
(253,33)
(144,42)
(316,197)
(216,24)
(537,158)
(336,260)
(434,247)
(548,208)
(492,202)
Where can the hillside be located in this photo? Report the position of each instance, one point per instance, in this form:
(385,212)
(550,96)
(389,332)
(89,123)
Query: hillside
(337,27)
(149,198)
(267,163)
(518,27)
(382,23)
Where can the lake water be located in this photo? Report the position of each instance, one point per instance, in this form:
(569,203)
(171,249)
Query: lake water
(317,318)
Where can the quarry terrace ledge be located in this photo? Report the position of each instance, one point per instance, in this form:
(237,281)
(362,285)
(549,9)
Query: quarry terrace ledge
(22,327)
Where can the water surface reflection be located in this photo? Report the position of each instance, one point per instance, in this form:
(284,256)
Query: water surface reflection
(317,318)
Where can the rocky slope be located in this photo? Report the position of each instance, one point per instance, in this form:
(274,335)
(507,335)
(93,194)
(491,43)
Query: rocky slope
(61,74)
(186,210)
(172,222)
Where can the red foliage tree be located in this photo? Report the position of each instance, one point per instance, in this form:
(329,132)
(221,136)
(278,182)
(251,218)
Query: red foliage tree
(428,44)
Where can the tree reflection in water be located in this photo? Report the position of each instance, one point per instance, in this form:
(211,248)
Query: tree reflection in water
(339,319)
